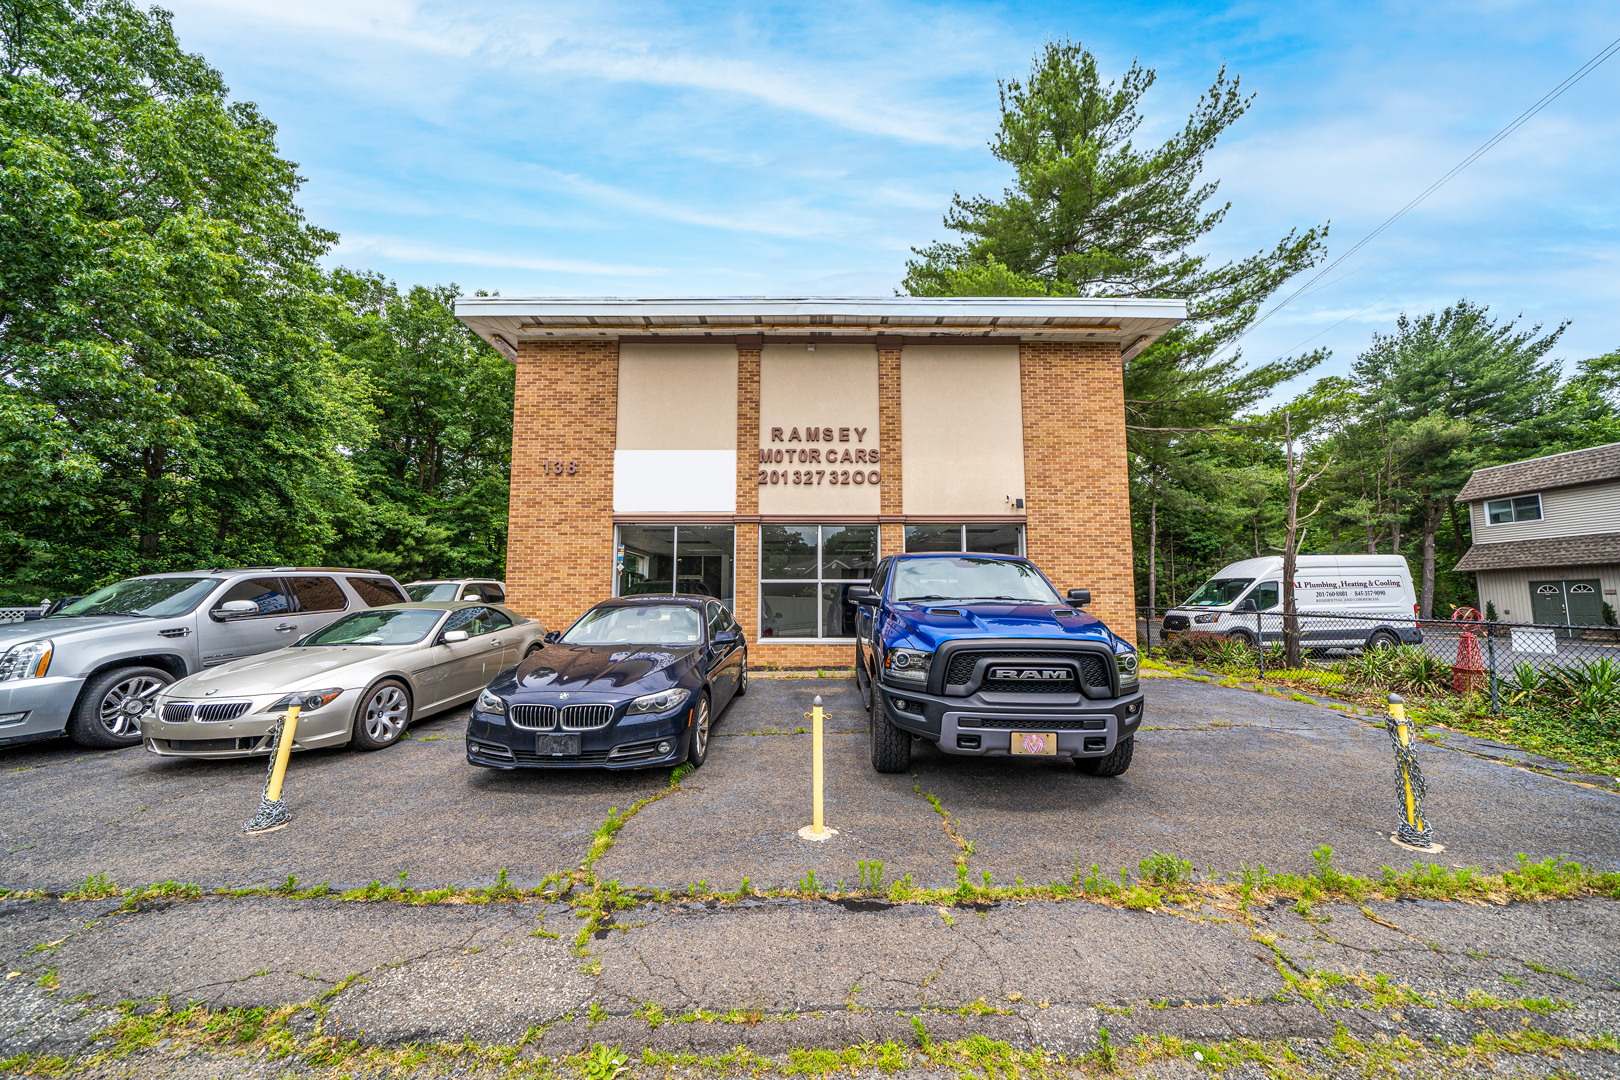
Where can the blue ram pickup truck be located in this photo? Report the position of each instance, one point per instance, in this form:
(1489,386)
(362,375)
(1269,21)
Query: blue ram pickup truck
(979,654)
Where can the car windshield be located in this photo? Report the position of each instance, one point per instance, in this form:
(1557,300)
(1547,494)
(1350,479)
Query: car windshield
(638,624)
(970,578)
(1218,592)
(157,598)
(432,590)
(379,627)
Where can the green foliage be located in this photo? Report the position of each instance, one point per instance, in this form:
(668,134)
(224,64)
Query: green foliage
(169,395)
(603,1062)
(1166,870)
(93,887)
(431,487)
(1092,213)
(1209,650)
(183,385)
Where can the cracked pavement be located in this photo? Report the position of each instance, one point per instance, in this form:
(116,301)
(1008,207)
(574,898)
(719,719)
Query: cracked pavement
(1221,777)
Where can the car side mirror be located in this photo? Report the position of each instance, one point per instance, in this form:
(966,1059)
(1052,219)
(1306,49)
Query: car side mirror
(234,609)
(1079,597)
(552,637)
(1246,604)
(726,637)
(471,596)
(450,637)
(862,594)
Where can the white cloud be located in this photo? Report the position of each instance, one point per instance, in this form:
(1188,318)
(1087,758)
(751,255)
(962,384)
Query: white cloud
(410,251)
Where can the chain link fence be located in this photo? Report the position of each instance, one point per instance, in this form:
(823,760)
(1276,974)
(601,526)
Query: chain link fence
(1504,661)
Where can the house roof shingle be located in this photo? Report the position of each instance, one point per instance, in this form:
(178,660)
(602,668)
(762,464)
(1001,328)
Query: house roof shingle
(1596,549)
(1590,466)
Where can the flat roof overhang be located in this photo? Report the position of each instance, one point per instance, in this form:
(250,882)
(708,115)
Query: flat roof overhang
(1132,324)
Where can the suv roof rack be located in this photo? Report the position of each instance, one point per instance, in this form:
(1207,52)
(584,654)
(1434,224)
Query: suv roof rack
(323,569)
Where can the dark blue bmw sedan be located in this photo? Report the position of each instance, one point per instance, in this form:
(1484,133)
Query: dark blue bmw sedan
(637,682)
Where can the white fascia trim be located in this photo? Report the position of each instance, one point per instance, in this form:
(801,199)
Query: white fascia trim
(986,307)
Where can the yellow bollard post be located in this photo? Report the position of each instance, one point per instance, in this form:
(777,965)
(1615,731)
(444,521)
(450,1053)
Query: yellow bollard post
(272,813)
(817,829)
(1413,831)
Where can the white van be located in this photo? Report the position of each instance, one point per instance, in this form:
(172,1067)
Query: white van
(1344,602)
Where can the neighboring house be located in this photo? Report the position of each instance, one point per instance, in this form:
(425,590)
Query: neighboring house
(1547,536)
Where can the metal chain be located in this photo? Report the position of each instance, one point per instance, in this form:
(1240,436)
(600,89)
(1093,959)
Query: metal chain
(272,813)
(1407,772)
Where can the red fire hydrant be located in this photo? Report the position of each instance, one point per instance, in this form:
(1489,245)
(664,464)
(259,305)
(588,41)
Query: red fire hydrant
(1468,673)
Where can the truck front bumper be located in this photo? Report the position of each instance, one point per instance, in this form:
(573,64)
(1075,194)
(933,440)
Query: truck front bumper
(984,725)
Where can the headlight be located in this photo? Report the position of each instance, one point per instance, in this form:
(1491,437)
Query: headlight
(908,665)
(663,701)
(489,703)
(1127,668)
(29,660)
(1207,618)
(306,700)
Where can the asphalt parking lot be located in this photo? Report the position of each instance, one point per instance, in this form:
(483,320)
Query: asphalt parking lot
(1221,777)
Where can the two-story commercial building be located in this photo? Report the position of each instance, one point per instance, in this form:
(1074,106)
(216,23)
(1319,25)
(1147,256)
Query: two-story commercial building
(1546,536)
(768,452)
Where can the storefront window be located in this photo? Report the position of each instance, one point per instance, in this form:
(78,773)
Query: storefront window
(805,573)
(663,559)
(984,539)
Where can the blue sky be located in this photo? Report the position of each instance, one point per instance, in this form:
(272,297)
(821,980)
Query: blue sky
(651,149)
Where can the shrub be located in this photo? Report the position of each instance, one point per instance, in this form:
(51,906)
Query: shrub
(1209,650)
(1418,671)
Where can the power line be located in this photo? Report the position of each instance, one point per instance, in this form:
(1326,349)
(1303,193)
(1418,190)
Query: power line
(1518,122)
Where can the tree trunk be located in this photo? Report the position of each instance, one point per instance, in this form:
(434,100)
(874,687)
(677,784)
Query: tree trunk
(152,463)
(1153,561)
(1172,569)
(1291,654)
(1431,523)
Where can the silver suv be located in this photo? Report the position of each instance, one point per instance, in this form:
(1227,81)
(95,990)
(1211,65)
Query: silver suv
(93,668)
(448,589)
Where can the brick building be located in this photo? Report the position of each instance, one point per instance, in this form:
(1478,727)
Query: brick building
(769,452)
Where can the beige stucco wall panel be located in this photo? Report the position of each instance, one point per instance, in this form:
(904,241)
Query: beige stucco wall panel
(677,429)
(824,386)
(962,429)
(677,397)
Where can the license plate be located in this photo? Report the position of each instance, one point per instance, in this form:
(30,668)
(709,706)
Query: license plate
(557,745)
(1034,742)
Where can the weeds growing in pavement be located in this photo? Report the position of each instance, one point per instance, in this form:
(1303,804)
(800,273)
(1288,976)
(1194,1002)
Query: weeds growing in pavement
(94,887)
(871,877)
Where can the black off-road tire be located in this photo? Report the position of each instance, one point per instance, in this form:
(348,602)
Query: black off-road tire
(1383,639)
(1113,763)
(891,747)
(89,724)
(1243,636)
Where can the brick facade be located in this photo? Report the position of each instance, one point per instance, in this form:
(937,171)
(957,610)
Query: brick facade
(889,430)
(559,557)
(1077,489)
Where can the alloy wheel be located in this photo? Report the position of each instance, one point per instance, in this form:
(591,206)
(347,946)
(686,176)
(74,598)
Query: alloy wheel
(386,714)
(122,707)
(700,730)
